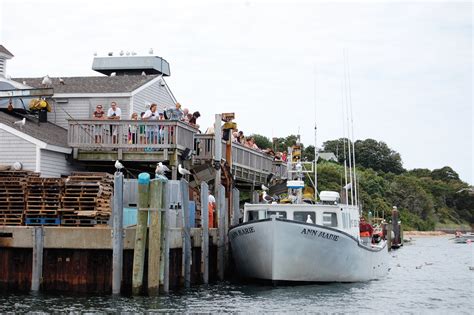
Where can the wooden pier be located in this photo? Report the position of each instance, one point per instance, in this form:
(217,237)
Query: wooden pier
(89,251)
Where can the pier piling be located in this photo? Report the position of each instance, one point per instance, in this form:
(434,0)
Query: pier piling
(37,270)
(186,232)
(154,240)
(221,210)
(140,233)
(117,234)
(205,233)
(165,240)
(235,206)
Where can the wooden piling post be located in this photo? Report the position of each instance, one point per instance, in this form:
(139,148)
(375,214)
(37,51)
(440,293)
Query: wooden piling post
(235,206)
(37,271)
(186,232)
(140,232)
(389,237)
(117,234)
(205,233)
(154,240)
(165,239)
(221,209)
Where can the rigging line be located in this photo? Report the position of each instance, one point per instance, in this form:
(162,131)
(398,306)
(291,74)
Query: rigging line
(352,129)
(344,142)
(316,155)
(348,133)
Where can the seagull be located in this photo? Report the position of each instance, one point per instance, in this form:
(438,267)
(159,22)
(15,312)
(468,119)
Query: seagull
(183,171)
(20,123)
(113,74)
(61,81)
(150,51)
(264,188)
(118,166)
(266,198)
(46,81)
(121,53)
(161,169)
(143,73)
(134,53)
(95,54)
(308,220)
(128,53)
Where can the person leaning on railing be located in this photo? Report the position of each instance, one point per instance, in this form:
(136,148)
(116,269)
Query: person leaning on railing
(152,131)
(114,113)
(132,130)
(98,114)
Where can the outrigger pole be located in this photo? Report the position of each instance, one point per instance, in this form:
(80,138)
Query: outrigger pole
(316,155)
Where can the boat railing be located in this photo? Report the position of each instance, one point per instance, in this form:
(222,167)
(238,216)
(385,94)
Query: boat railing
(129,134)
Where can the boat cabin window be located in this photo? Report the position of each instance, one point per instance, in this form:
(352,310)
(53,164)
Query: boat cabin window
(330,219)
(252,215)
(278,214)
(302,216)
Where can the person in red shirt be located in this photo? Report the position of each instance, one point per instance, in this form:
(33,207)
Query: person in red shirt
(365,229)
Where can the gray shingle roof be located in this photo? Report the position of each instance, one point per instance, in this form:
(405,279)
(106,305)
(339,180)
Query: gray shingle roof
(5,51)
(46,132)
(102,84)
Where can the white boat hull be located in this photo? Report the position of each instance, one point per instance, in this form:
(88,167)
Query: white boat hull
(284,250)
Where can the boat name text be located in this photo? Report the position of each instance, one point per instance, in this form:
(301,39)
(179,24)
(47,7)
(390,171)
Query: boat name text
(240,232)
(316,233)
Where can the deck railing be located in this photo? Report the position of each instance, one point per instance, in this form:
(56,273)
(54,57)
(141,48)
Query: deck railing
(241,156)
(130,134)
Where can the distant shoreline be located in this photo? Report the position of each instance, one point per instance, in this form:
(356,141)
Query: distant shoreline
(426,233)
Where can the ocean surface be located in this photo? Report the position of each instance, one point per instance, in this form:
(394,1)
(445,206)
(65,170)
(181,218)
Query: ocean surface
(431,275)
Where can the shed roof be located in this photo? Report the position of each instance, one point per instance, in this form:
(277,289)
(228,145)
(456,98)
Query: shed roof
(96,84)
(46,132)
(5,51)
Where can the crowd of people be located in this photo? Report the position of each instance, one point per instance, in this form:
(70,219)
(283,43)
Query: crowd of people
(145,133)
(249,142)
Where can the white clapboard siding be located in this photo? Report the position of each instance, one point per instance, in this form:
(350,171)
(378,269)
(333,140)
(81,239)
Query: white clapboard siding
(15,149)
(54,164)
(82,108)
(155,93)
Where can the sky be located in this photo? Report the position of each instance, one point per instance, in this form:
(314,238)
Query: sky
(279,65)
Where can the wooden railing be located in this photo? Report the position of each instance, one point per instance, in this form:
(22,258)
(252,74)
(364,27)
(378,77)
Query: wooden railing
(241,156)
(130,134)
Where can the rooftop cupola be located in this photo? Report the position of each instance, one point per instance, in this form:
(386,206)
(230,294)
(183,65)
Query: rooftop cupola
(4,56)
(130,64)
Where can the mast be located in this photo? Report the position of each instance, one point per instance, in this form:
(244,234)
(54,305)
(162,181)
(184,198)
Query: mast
(316,156)
(348,134)
(344,143)
(352,133)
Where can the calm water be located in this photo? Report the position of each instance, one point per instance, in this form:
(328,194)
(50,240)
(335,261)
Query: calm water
(431,276)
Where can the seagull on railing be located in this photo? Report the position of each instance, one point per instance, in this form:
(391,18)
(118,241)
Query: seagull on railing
(160,170)
(118,166)
(183,171)
(264,188)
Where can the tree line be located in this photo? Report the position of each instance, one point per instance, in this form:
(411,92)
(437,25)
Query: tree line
(425,198)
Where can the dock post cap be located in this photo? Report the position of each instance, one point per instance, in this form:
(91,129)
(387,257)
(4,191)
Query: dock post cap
(143,178)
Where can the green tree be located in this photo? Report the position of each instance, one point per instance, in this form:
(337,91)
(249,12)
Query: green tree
(261,141)
(282,144)
(337,147)
(378,156)
(308,153)
(445,174)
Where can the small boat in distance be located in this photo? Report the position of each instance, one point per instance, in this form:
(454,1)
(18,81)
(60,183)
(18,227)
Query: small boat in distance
(463,238)
(302,240)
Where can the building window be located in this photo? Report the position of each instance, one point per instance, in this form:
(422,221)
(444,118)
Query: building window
(302,216)
(330,219)
(278,214)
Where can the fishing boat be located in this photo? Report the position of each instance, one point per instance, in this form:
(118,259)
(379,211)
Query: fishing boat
(300,240)
(464,238)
